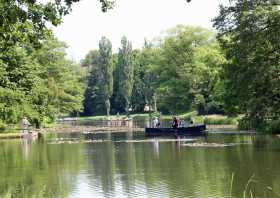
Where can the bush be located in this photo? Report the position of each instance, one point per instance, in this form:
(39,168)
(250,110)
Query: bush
(197,119)
(189,115)
(3,126)
(214,108)
(274,127)
(220,120)
(244,124)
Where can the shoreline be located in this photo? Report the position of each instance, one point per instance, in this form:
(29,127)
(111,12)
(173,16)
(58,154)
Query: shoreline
(211,130)
(71,129)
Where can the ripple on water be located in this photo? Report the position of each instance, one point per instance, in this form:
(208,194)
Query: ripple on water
(213,145)
(77,141)
(157,140)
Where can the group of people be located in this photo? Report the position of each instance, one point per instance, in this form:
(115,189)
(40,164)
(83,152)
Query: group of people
(175,123)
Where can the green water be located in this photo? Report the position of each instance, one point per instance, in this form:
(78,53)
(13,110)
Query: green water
(58,166)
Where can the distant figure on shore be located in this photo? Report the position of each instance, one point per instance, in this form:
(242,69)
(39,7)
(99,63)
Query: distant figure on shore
(24,125)
(175,122)
(156,122)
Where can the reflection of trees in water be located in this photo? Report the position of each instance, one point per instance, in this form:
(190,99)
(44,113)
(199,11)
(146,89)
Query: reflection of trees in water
(129,168)
(101,164)
(38,172)
(246,160)
(126,165)
(189,171)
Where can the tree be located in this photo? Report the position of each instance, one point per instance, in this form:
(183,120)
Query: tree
(106,71)
(91,59)
(138,100)
(39,83)
(126,71)
(100,80)
(249,35)
(181,70)
(92,102)
(31,81)
(149,62)
(63,79)
(207,83)
(118,101)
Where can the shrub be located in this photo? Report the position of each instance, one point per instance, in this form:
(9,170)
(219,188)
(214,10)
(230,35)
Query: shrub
(220,120)
(3,126)
(197,119)
(189,115)
(244,124)
(274,127)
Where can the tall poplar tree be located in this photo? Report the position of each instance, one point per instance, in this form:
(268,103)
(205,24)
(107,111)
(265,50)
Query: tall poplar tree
(106,71)
(125,61)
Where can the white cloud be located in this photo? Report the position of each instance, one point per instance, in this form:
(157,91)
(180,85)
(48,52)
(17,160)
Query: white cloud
(136,19)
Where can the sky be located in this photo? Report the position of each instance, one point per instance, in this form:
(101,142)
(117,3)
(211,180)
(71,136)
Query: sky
(136,19)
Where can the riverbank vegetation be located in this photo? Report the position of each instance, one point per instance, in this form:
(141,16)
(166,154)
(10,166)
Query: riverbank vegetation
(177,73)
(194,116)
(232,71)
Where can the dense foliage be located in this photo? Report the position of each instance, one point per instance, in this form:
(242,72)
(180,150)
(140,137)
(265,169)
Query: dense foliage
(36,80)
(100,80)
(125,65)
(249,33)
(179,73)
(185,69)
(188,70)
(39,84)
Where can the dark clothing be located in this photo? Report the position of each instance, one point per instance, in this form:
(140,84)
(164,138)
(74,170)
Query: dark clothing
(175,123)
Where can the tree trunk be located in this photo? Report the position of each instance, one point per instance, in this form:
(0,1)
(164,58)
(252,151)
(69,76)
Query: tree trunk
(155,103)
(107,103)
(127,104)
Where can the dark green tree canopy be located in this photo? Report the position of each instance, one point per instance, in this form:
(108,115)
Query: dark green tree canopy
(125,63)
(100,80)
(249,32)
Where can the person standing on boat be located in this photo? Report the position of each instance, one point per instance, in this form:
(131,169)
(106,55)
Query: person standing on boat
(156,122)
(24,125)
(175,122)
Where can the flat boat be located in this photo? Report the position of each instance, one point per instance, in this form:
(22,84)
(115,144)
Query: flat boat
(197,130)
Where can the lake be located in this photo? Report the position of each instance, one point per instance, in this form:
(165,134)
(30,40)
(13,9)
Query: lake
(130,165)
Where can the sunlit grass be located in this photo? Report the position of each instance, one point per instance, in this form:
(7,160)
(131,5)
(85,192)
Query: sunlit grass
(9,135)
(193,115)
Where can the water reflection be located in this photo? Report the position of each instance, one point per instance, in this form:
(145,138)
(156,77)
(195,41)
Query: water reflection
(156,148)
(26,146)
(35,170)
(126,167)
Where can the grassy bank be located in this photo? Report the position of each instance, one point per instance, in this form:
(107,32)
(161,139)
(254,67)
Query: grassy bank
(9,135)
(207,119)
(10,131)
(13,131)
(197,119)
